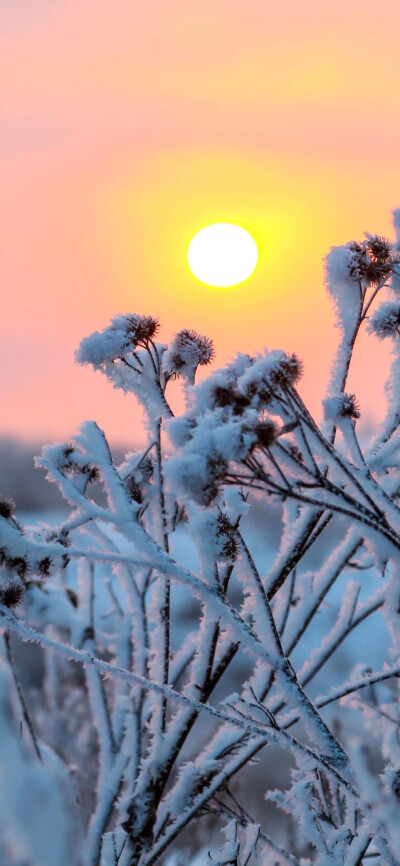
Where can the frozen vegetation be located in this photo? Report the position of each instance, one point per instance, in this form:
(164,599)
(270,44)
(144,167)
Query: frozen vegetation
(175,676)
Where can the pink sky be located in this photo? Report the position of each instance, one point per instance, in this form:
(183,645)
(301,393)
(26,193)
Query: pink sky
(126,126)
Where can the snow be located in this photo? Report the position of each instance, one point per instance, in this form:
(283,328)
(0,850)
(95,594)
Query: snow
(187,351)
(199,636)
(123,336)
(385,320)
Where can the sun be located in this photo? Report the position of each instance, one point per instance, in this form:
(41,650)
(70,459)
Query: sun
(222,255)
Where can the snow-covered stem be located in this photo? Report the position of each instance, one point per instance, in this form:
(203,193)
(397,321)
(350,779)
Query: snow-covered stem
(164,611)
(173,536)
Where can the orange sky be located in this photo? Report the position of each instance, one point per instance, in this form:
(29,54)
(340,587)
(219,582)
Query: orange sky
(126,125)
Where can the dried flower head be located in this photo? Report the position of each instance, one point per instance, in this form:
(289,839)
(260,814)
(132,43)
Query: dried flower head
(226,532)
(385,322)
(269,374)
(188,351)
(71,461)
(350,407)
(61,537)
(124,335)
(371,260)
(68,451)
(134,489)
(140,328)
(146,468)
(44,566)
(18,564)
(7,507)
(291,370)
(11,594)
(267,433)
(92,472)
(138,476)
(228,396)
(379,249)
(341,406)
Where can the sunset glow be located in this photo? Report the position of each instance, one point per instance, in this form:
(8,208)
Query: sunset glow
(126,129)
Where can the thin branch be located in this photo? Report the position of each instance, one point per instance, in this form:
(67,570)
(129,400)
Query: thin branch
(87,658)
(24,707)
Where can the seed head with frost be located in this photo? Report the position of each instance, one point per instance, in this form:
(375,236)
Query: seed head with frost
(342,406)
(187,352)
(11,594)
(371,260)
(7,507)
(124,335)
(385,321)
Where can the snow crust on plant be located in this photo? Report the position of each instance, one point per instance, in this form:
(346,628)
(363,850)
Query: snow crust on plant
(187,352)
(385,320)
(125,333)
(342,283)
(197,643)
(341,406)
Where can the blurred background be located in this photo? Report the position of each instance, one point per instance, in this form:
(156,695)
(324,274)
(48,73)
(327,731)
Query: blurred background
(127,127)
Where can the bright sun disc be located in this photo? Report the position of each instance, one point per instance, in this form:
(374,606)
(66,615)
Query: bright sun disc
(222,255)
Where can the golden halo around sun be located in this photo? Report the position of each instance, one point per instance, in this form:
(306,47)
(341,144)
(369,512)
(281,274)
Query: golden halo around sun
(222,255)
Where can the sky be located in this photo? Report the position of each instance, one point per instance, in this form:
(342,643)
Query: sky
(127,125)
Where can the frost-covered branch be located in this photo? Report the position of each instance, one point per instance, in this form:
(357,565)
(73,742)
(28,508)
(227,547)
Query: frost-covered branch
(198,643)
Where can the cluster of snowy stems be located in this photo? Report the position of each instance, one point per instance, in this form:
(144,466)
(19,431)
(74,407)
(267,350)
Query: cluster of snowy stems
(245,432)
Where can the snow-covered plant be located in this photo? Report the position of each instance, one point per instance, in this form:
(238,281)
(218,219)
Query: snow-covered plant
(197,643)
